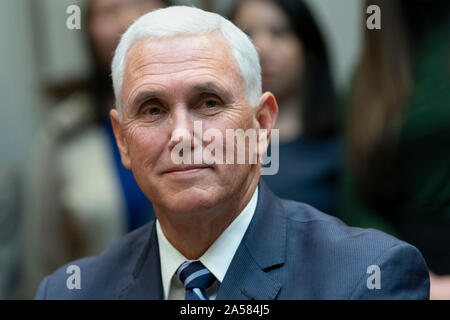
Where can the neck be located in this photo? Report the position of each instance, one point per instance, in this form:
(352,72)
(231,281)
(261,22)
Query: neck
(193,233)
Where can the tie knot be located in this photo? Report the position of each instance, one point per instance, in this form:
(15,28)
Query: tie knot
(193,274)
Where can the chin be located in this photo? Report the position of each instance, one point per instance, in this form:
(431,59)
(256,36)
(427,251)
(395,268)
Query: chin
(192,200)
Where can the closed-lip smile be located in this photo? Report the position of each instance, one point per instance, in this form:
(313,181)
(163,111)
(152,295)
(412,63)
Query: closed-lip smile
(187,168)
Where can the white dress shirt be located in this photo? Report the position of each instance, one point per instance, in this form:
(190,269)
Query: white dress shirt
(217,258)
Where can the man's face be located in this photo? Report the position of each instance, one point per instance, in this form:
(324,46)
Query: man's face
(168,84)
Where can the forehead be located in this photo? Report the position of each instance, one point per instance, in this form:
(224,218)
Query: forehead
(186,57)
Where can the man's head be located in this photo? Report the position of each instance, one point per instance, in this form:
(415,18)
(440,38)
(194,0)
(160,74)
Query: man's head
(180,20)
(173,68)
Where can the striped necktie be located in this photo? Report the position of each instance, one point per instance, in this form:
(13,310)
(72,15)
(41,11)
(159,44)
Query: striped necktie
(196,279)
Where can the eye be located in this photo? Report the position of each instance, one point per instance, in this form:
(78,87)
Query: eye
(280,31)
(154,111)
(210,103)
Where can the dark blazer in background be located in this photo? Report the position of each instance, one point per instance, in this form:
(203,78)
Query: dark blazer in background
(290,251)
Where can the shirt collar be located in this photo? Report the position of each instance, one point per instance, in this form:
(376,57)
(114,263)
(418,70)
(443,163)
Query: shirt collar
(218,256)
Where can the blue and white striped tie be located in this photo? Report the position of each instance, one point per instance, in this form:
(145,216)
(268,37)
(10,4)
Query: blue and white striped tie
(196,279)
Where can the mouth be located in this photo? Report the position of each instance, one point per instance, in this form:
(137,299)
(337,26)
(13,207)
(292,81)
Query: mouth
(187,169)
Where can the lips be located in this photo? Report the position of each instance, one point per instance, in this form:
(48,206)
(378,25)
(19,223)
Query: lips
(186,168)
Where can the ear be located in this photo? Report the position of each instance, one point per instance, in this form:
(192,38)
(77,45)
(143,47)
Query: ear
(120,138)
(266,116)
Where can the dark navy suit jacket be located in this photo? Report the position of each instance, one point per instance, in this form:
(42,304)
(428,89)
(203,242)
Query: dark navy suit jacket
(289,251)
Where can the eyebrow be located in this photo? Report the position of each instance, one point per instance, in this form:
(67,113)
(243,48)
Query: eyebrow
(211,87)
(145,95)
(208,87)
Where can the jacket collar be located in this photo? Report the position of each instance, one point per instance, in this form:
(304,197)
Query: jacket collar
(145,282)
(262,248)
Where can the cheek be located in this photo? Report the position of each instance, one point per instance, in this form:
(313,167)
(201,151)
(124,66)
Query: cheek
(291,54)
(238,116)
(145,146)
(230,144)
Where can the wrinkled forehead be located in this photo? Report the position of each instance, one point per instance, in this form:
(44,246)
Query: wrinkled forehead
(182,51)
(187,58)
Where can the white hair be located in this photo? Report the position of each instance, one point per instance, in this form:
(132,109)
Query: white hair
(177,20)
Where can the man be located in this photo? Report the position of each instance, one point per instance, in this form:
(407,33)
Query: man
(220,233)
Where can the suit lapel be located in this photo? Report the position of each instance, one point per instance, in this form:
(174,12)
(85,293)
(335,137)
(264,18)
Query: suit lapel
(262,248)
(246,281)
(145,282)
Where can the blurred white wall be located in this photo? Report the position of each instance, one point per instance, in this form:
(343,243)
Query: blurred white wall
(342,23)
(65,54)
(20,116)
(20,102)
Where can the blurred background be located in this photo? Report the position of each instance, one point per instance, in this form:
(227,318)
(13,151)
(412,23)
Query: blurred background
(364,123)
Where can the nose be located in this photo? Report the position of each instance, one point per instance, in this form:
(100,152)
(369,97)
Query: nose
(181,130)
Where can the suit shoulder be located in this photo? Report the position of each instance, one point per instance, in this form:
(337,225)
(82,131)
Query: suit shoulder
(101,275)
(322,243)
(333,238)
(331,228)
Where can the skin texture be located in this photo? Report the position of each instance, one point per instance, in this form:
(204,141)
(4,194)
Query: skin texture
(168,84)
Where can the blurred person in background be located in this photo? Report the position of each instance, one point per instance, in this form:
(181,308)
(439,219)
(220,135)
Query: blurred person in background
(397,177)
(296,69)
(80,198)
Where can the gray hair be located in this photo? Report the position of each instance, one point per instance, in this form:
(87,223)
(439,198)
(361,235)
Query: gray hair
(176,20)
